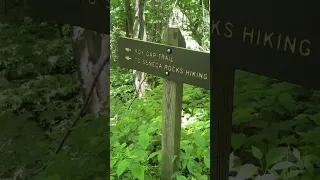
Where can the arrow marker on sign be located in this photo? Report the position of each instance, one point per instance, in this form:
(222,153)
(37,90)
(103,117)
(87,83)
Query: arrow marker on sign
(128,58)
(127,49)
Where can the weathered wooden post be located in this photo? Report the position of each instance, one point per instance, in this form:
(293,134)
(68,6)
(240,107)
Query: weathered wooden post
(176,65)
(221,107)
(171,112)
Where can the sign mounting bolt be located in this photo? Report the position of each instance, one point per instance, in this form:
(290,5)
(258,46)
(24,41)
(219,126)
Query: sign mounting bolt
(169,51)
(167,73)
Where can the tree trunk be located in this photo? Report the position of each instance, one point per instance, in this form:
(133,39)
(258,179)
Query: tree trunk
(90,50)
(139,31)
(129,19)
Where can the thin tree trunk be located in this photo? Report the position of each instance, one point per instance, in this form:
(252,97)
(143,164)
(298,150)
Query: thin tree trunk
(90,50)
(139,31)
(129,19)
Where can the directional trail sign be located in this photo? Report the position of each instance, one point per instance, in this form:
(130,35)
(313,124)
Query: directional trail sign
(90,14)
(173,63)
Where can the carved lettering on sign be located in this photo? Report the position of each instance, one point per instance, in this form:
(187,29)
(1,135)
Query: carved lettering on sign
(165,62)
(266,39)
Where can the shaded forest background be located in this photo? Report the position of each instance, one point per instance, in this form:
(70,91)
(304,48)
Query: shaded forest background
(40,98)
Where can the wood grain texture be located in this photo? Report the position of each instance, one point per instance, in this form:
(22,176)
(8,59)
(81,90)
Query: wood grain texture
(221,107)
(171,114)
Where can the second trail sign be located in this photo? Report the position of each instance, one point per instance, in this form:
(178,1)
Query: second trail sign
(173,63)
(89,14)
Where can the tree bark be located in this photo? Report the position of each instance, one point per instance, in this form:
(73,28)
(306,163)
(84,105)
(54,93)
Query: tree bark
(129,19)
(90,50)
(139,31)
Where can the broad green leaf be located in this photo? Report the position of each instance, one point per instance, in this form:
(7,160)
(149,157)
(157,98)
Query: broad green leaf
(202,177)
(144,140)
(198,139)
(181,177)
(207,161)
(275,155)
(191,165)
(137,171)
(153,154)
(141,155)
(242,115)
(246,171)
(112,162)
(316,118)
(122,166)
(296,154)
(256,152)
(267,177)
(308,165)
(287,102)
(283,165)
(237,140)
(294,173)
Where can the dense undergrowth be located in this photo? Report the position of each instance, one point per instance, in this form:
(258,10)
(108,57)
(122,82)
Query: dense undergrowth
(39,98)
(275,131)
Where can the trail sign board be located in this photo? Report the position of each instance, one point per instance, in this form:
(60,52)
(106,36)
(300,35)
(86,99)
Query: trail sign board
(278,39)
(173,63)
(89,14)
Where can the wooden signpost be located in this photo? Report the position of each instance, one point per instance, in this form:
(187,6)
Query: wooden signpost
(177,66)
(89,14)
(277,39)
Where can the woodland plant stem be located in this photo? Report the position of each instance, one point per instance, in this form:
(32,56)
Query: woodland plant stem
(77,117)
(262,166)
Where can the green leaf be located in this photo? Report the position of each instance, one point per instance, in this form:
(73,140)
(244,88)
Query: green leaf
(191,165)
(153,154)
(275,155)
(137,171)
(144,140)
(308,165)
(247,171)
(266,177)
(242,115)
(207,162)
(283,165)
(199,140)
(256,152)
(112,162)
(122,166)
(202,177)
(294,173)
(181,178)
(296,154)
(288,102)
(316,118)
(141,155)
(237,140)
